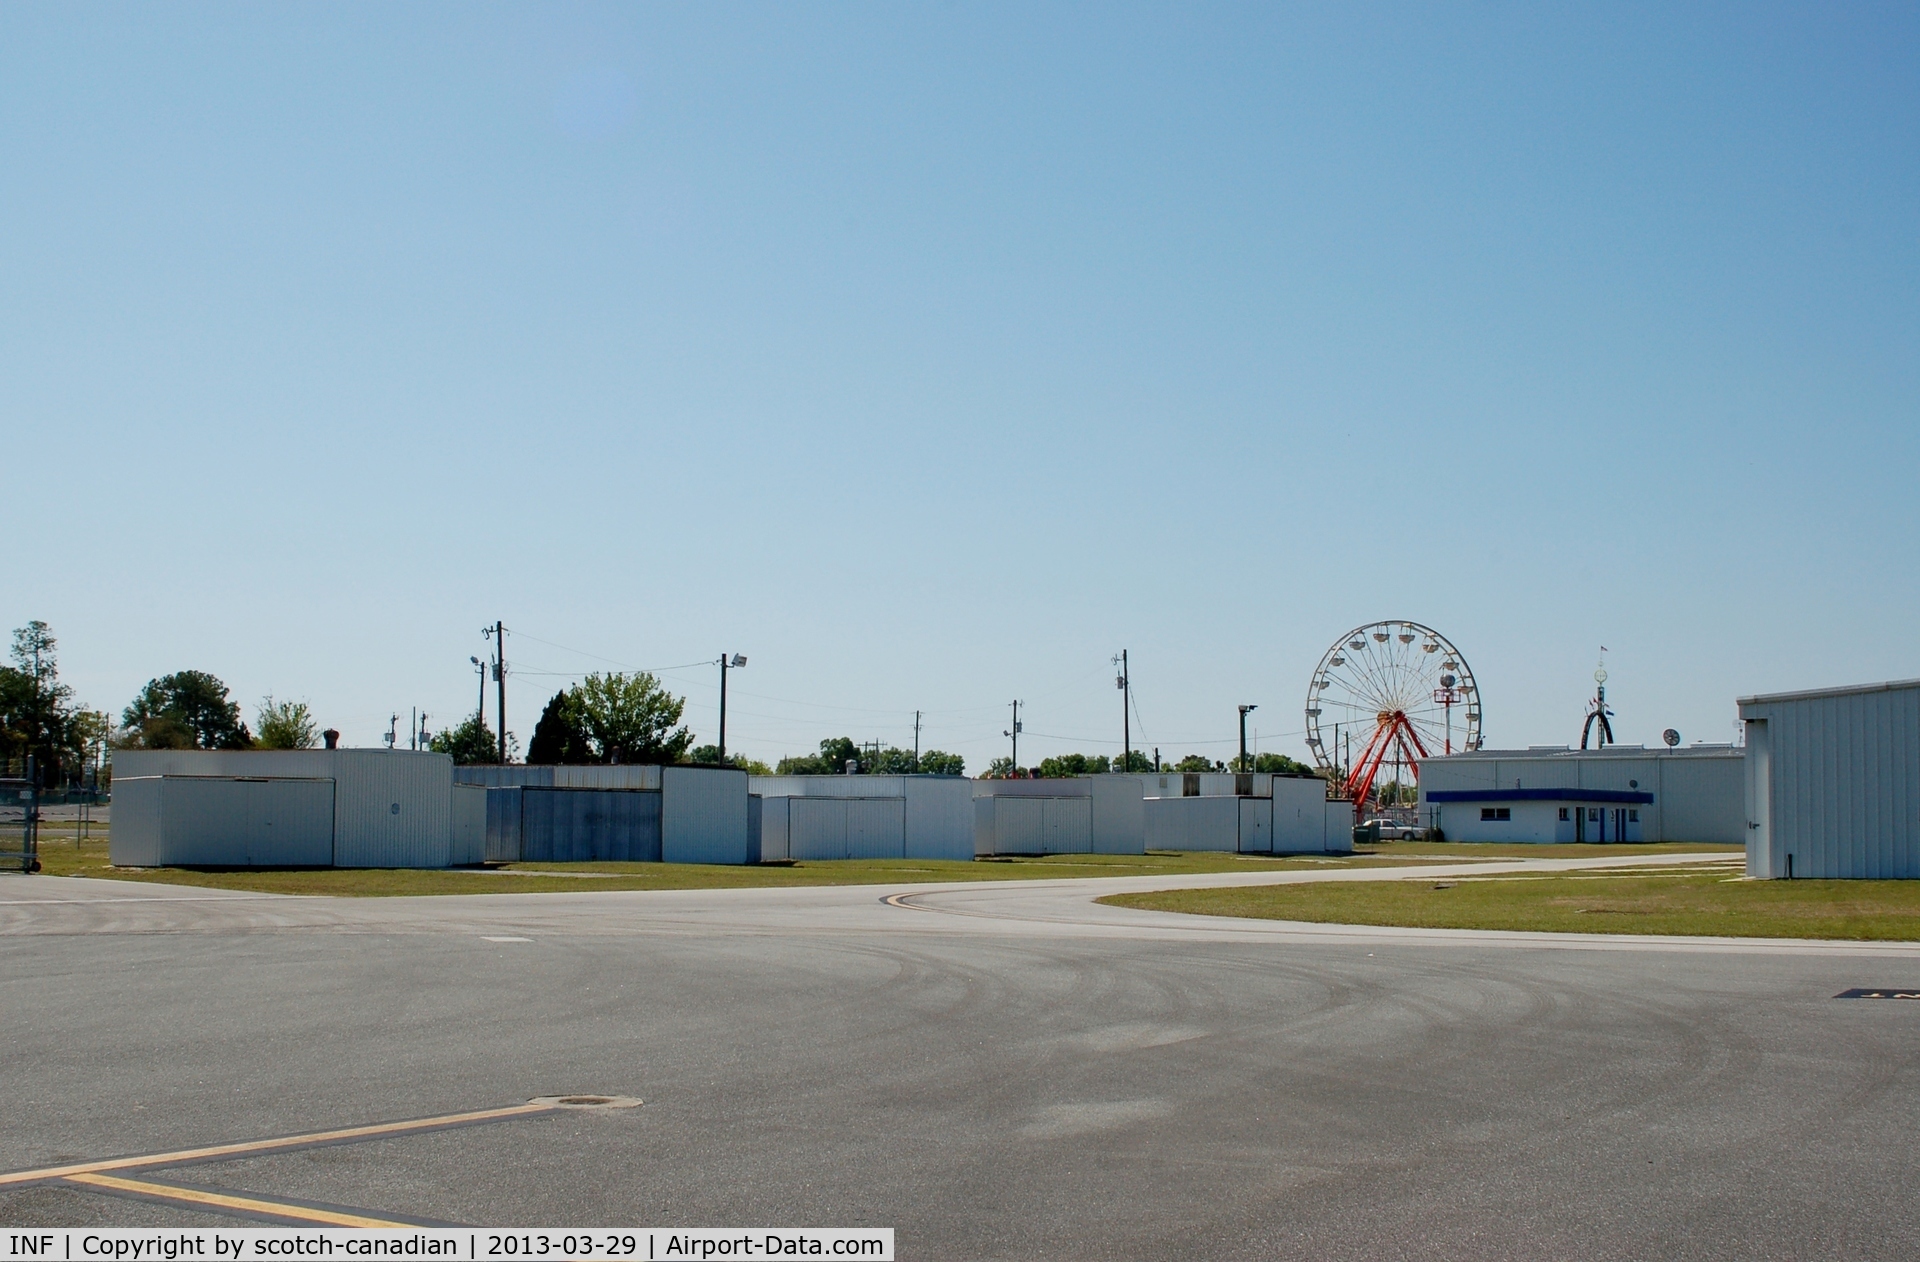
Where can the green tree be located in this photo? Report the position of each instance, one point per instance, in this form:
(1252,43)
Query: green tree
(285,725)
(630,718)
(1194,762)
(1063,765)
(559,739)
(187,706)
(709,756)
(1000,769)
(890,760)
(936,763)
(471,742)
(36,710)
(830,761)
(1281,764)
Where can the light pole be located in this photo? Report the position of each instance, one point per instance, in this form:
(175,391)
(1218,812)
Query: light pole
(735,663)
(498,634)
(1244,711)
(480,710)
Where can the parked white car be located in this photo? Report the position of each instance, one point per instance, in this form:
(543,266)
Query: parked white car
(1394,830)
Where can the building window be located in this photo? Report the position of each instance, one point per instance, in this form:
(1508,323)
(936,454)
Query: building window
(1496,813)
(1633,817)
(1593,814)
(1563,814)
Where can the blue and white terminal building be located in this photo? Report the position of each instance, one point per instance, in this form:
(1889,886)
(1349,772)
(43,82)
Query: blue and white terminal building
(1693,793)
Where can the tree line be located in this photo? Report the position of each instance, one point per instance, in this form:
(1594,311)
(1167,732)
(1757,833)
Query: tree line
(188,709)
(1061,766)
(606,718)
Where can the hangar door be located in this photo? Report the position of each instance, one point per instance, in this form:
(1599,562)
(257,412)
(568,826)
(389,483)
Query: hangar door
(1024,825)
(583,825)
(847,828)
(1256,825)
(219,821)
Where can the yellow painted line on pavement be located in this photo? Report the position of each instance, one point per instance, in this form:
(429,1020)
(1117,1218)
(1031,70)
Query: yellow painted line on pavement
(226,1200)
(379,1130)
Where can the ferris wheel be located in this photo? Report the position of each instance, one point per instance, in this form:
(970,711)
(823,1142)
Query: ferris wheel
(1389,694)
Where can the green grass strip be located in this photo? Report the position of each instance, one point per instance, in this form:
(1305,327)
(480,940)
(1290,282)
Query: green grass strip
(1667,901)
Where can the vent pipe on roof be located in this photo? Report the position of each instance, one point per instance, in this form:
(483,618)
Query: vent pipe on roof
(331,737)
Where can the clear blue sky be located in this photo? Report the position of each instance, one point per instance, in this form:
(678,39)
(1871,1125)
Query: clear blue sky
(930,355)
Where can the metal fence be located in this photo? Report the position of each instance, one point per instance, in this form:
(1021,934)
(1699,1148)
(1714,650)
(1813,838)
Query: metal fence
(19,825)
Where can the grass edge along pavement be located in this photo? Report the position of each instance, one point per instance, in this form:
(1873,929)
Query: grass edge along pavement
(1713,902)
(68,859)
(65,857)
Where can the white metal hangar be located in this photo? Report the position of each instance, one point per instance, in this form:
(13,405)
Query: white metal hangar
(865,817)
(1833,782)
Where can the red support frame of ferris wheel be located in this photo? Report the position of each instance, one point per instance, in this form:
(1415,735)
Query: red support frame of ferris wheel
(1393,729)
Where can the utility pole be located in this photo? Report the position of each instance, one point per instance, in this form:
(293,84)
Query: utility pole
(1125,684)
(413,730)
(1014,732)
(1244,710)
(916,740)
(498,633)
(726,663)
(480,710)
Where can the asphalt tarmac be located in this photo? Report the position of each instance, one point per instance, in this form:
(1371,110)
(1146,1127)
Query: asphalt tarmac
(1004,1070)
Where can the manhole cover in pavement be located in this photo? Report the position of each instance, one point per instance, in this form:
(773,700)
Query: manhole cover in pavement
(588,1101)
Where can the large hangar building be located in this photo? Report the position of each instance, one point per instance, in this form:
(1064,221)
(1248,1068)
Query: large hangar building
(347,808)
(1693,793)
(1833,782)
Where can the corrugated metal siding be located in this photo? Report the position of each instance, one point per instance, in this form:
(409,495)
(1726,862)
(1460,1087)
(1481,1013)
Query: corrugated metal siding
(562,825)
(368,785)
(1256,825)
(846,828)
(817,828)
(469,844)
(1119,819)
(369,832)
(502,777)
(503,824)
(1300,817)
(136,839)
(876,828)
(1019,824)
(1196,823)
(840,786)
(1068,825)
(626,776)
(1841,783)
(703,816)
(775,823)
(227,822)
(939,817)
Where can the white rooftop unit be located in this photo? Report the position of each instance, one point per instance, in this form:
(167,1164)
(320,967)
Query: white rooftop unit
(1833,782)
